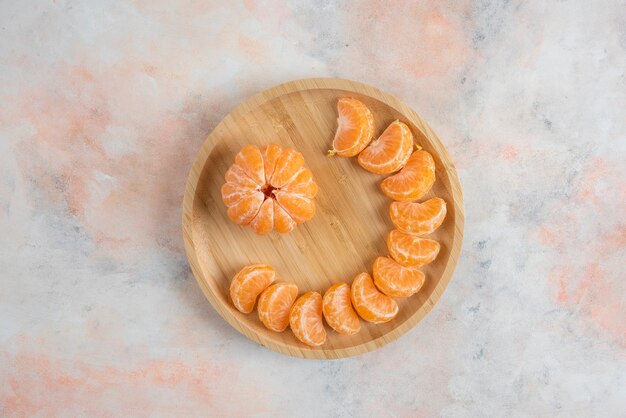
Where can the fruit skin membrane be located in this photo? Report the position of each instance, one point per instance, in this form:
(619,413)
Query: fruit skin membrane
(269,189)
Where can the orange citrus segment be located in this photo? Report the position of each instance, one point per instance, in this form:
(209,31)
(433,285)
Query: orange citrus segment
(298,207)
(270,154)
(263,222)
(287,166)
(282,221)
(248,284)
(246,209)
(390,152)
(410,250)
(355,127)
(369,302)
(306,319)
(393,279)
(418,218)
(302,184)
(338,310)
(275,305)
(414,180)
(233,193)
(237,175)
(251,160)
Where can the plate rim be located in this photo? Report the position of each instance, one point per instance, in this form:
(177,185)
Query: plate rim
(456,193)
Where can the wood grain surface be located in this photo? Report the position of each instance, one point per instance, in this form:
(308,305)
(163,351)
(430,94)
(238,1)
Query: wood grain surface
(351,223)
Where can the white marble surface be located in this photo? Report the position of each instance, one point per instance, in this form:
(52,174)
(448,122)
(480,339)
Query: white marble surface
(104,103)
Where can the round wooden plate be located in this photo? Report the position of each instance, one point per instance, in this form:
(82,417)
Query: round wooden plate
(350,226)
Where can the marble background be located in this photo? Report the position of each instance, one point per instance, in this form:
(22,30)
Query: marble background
(104,104)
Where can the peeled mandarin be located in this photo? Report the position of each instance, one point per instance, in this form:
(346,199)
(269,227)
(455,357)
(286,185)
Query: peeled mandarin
(269,188)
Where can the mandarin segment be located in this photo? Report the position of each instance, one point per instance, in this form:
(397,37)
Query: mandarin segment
(395,280)
(270,153)
(369,302)
(275,305)
(233,193)
(418,218)
(338,310)
(251,160)
(355,128)
(302,184)
(263,222)
(306,321)
(390,152)
(298,207)
(287,166)
(283,223)
(246,209)
(237,175)
(414,180)
(248,283)
(410,250)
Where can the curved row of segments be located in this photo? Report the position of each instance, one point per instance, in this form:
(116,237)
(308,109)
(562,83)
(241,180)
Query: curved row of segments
(280,307)
(411,175)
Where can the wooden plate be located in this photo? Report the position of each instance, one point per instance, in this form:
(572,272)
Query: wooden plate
(349,229)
